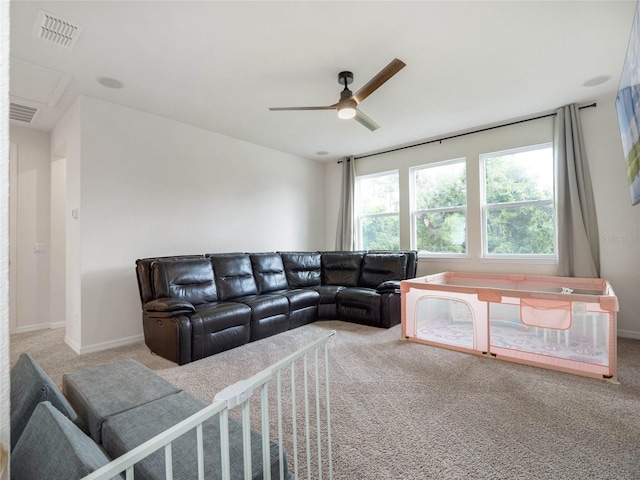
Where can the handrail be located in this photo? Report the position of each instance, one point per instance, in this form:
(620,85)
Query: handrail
(228,398)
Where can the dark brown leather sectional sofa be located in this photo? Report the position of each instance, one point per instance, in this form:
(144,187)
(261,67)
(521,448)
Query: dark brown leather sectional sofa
(198,305)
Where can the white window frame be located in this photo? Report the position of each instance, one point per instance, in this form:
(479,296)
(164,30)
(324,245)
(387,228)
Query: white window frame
(534,258)
(415,212)
(359,216)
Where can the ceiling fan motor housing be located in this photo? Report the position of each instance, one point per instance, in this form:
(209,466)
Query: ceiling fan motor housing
(346,95)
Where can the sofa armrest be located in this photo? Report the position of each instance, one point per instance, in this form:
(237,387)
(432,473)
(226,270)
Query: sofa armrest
(390,286)
(165,307)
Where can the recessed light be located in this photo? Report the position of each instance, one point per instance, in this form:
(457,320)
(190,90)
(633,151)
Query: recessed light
(592,82)
(110,82)
(322,152)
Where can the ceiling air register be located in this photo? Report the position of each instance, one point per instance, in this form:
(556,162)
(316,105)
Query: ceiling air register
(56,30)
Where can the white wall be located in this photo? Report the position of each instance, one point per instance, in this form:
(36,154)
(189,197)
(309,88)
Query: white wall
(66,240)
(58,241)
(151,186)
(619,223)
(32,222)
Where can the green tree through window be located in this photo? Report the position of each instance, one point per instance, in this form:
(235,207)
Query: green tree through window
(378,207)
(439,207)
(518,202)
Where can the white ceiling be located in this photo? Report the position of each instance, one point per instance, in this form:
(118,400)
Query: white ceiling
(221,65)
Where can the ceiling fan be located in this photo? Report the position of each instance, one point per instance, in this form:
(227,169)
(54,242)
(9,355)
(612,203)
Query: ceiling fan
(348,105)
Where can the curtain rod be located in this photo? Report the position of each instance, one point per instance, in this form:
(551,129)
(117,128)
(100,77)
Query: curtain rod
(516,122)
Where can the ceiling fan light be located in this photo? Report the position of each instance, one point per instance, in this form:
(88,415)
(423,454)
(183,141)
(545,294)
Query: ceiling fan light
(346,112)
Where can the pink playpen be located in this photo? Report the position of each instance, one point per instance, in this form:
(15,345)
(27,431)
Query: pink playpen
(562,323)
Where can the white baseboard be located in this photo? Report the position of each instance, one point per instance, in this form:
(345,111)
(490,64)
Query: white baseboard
(41,326)
(98,347)
(72,344)
(629,334)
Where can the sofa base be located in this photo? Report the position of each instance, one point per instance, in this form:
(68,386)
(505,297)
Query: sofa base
(303,316)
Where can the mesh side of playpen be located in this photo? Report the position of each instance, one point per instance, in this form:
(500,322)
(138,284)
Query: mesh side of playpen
(288,403)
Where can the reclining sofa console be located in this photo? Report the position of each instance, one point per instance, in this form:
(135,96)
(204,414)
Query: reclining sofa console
(194,306)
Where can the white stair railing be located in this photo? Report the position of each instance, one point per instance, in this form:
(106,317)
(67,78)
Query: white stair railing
(298,421)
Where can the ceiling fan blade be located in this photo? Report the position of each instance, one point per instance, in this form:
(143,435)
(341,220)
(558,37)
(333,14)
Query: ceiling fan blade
(282,109)
(366,121)
(376,82)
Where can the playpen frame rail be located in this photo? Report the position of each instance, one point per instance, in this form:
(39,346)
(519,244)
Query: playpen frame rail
(239,394)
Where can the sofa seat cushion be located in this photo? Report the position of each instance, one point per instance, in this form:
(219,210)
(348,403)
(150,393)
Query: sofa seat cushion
(129,429)
(218,327)
(301,298)
(52,447)
(360,305)
(221,315)
(30,385)
(98,393)
(263,306)
(328,293)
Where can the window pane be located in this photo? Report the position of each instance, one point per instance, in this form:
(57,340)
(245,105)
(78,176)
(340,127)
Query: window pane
(520,176)
(441,232)
(440,186)
(516,230)
(381,232)
(379,194)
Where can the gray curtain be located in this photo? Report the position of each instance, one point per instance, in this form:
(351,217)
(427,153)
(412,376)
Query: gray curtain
(345,238)
(578,242)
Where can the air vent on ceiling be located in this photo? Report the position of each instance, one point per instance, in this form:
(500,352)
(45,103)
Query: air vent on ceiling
(22,113)
(55,30)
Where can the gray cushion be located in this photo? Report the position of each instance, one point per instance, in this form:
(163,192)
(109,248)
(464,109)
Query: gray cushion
(53,448)
(99,392)
(30,385)
(129,429)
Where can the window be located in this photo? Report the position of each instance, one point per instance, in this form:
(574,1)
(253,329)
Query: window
(518,202)
(378,207)
(378,211)
(438,212)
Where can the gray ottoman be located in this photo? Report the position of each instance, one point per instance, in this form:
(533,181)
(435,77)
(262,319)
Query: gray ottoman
(98,393)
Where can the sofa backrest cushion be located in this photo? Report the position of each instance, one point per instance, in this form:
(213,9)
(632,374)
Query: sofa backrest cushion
(30,385)
(268,271)
(379,267)
(53,447)
(234,275)
(145,277)
(303,269)
(341,268)
(412,260)
(189,279)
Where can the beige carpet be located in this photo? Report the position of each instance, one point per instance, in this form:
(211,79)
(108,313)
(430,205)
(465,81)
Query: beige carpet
(407,411)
